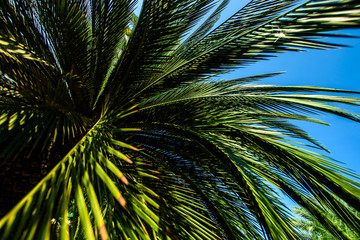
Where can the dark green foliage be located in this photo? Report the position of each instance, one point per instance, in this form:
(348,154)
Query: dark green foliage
(136,139)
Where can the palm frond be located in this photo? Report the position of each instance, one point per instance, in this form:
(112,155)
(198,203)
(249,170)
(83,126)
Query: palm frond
(311,228)
(160,26)
(257,32)
(252,131)
(109,23)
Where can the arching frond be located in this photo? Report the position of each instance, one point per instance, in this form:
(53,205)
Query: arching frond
(113,126)
(256,32)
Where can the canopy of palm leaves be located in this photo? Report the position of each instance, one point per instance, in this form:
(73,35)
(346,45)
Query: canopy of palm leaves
(311,228)
(136,139)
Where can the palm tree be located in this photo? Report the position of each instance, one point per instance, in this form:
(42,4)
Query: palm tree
(130,134)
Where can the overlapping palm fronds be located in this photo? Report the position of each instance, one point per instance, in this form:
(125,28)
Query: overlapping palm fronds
(311,228)
(141,142)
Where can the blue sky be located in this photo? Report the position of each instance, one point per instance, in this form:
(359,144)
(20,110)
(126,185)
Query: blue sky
(331,68)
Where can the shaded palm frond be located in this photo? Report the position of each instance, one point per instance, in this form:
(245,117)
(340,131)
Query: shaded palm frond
(158,31)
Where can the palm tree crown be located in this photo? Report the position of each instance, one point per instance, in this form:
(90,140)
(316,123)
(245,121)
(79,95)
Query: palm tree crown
(126,132)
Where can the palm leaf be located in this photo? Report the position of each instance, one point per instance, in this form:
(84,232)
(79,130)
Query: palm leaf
(256,32)
(143,142)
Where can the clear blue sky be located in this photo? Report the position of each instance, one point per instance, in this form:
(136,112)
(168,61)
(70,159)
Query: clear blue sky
(336,68)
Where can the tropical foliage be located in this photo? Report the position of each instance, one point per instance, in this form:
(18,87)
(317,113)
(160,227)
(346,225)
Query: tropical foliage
(311,229)
(138,138)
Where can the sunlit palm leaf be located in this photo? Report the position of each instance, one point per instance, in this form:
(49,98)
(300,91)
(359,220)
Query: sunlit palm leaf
(256,32)
(311,228)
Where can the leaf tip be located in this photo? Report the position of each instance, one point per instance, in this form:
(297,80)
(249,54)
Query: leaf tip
(103,232)
(128,160)
(122,201)
(124,180)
